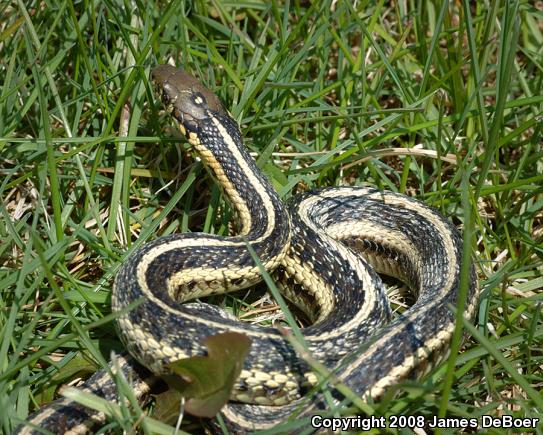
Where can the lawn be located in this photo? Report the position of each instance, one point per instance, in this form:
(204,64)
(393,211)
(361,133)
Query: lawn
(441,101)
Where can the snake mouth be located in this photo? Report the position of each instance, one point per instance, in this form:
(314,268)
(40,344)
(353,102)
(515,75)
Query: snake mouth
(169,99)
(187,123)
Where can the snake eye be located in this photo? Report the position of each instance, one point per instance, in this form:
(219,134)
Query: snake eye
(198,99)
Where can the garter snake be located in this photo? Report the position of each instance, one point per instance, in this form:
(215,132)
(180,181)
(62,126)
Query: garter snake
(326,248)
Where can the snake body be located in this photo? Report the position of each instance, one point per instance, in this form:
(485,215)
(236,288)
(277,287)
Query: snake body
(313,244)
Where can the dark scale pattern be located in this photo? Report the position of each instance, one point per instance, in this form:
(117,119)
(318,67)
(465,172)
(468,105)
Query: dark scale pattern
(329,341)
(211,138)
(404,336)
(189,332)
(407,272)
(185,332)
(396,219)
(187,328)
(348,292)
(69,414)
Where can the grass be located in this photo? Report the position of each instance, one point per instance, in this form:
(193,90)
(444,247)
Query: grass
(441,101)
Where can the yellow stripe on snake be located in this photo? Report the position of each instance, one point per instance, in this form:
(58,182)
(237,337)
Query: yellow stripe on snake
(325,247)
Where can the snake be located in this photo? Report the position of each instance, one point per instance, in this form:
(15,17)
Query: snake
(326,249)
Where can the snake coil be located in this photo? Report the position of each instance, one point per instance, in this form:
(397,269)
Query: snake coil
(327,247)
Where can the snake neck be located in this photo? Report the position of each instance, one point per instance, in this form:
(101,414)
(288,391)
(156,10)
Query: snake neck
(259,209)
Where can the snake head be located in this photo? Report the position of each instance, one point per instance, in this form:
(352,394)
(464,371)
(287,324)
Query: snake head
(185,98)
